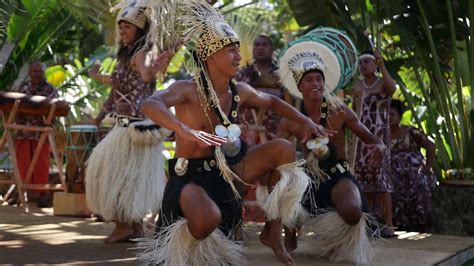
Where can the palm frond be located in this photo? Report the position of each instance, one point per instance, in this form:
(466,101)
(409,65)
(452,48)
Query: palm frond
(249,22)
(7,7)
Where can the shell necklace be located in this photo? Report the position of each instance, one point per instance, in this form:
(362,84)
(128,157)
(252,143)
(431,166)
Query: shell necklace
(319,146)
(371,86)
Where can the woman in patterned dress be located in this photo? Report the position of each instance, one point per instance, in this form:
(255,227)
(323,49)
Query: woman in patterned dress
(412,175)
(124,175)
(375,93)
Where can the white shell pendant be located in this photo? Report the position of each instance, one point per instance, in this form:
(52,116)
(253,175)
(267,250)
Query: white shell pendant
(206,166)
(324,140)
(221,131)
(319,147)
(234,130)
(311,144)
(321,151)
(181,166)
(232,147)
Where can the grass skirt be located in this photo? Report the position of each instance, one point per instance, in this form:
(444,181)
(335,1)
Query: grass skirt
(125,176)
(174,245)
(341,242)
(284,201)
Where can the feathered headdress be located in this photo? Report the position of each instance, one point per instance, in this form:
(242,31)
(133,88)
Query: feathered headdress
(133,15)
(303,62)
(299,62)
(206,27)
(164,30)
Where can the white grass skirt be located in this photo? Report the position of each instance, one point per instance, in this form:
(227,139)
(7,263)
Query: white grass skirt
(174,245)
(341,242)
(284,202)
(125,179)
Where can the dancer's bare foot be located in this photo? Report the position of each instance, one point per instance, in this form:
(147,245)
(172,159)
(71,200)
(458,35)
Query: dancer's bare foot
(137,231)
(387,232)
(121,233)
(291,240)
(271,237)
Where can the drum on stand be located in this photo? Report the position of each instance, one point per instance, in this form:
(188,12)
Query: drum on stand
(81,139)
(342,46)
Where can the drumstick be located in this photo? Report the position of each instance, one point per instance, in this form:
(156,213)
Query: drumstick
(369,37)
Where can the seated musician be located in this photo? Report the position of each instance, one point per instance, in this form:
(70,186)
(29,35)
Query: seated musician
(26,141)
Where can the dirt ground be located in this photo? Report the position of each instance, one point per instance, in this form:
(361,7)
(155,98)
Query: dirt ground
(41,238)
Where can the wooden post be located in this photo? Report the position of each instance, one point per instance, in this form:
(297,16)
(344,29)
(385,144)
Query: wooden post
(354,140)
(11,149)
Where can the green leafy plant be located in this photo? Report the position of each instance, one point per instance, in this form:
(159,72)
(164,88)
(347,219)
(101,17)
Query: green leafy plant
(428,49)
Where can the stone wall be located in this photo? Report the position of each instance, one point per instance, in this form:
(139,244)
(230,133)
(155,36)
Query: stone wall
(453,208)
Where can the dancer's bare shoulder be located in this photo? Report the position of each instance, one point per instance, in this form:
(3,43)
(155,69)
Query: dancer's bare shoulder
(179,92)
(356,90)
(183,86)
(252,98)
(245,91)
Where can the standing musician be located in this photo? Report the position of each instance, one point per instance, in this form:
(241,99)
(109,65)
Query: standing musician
(26,141)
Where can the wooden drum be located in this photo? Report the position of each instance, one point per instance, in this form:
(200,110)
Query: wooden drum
(81,139)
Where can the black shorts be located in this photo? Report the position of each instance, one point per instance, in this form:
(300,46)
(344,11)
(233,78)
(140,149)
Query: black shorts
(321,196)
(204,173)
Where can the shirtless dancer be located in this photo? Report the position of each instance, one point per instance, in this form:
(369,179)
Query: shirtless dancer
(201,211)
(327,162)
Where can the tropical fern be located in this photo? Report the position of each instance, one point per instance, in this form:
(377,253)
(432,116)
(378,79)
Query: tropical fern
(33,26)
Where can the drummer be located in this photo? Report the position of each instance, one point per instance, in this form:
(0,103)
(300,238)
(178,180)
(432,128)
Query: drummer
(335,202)
(26,141)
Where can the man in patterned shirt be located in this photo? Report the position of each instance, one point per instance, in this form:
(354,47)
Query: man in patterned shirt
(263,77)
(26,141)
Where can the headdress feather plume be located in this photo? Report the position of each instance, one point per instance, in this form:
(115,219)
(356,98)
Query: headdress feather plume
(206,27)
(165,32)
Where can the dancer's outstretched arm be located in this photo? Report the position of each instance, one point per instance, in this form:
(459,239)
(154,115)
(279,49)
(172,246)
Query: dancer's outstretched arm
(251,98)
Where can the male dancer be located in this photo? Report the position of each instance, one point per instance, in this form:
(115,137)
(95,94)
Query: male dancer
(342,234)
(201,210)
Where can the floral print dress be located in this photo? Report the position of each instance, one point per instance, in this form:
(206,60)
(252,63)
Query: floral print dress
(375,117)
(129,91)
(412,183)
